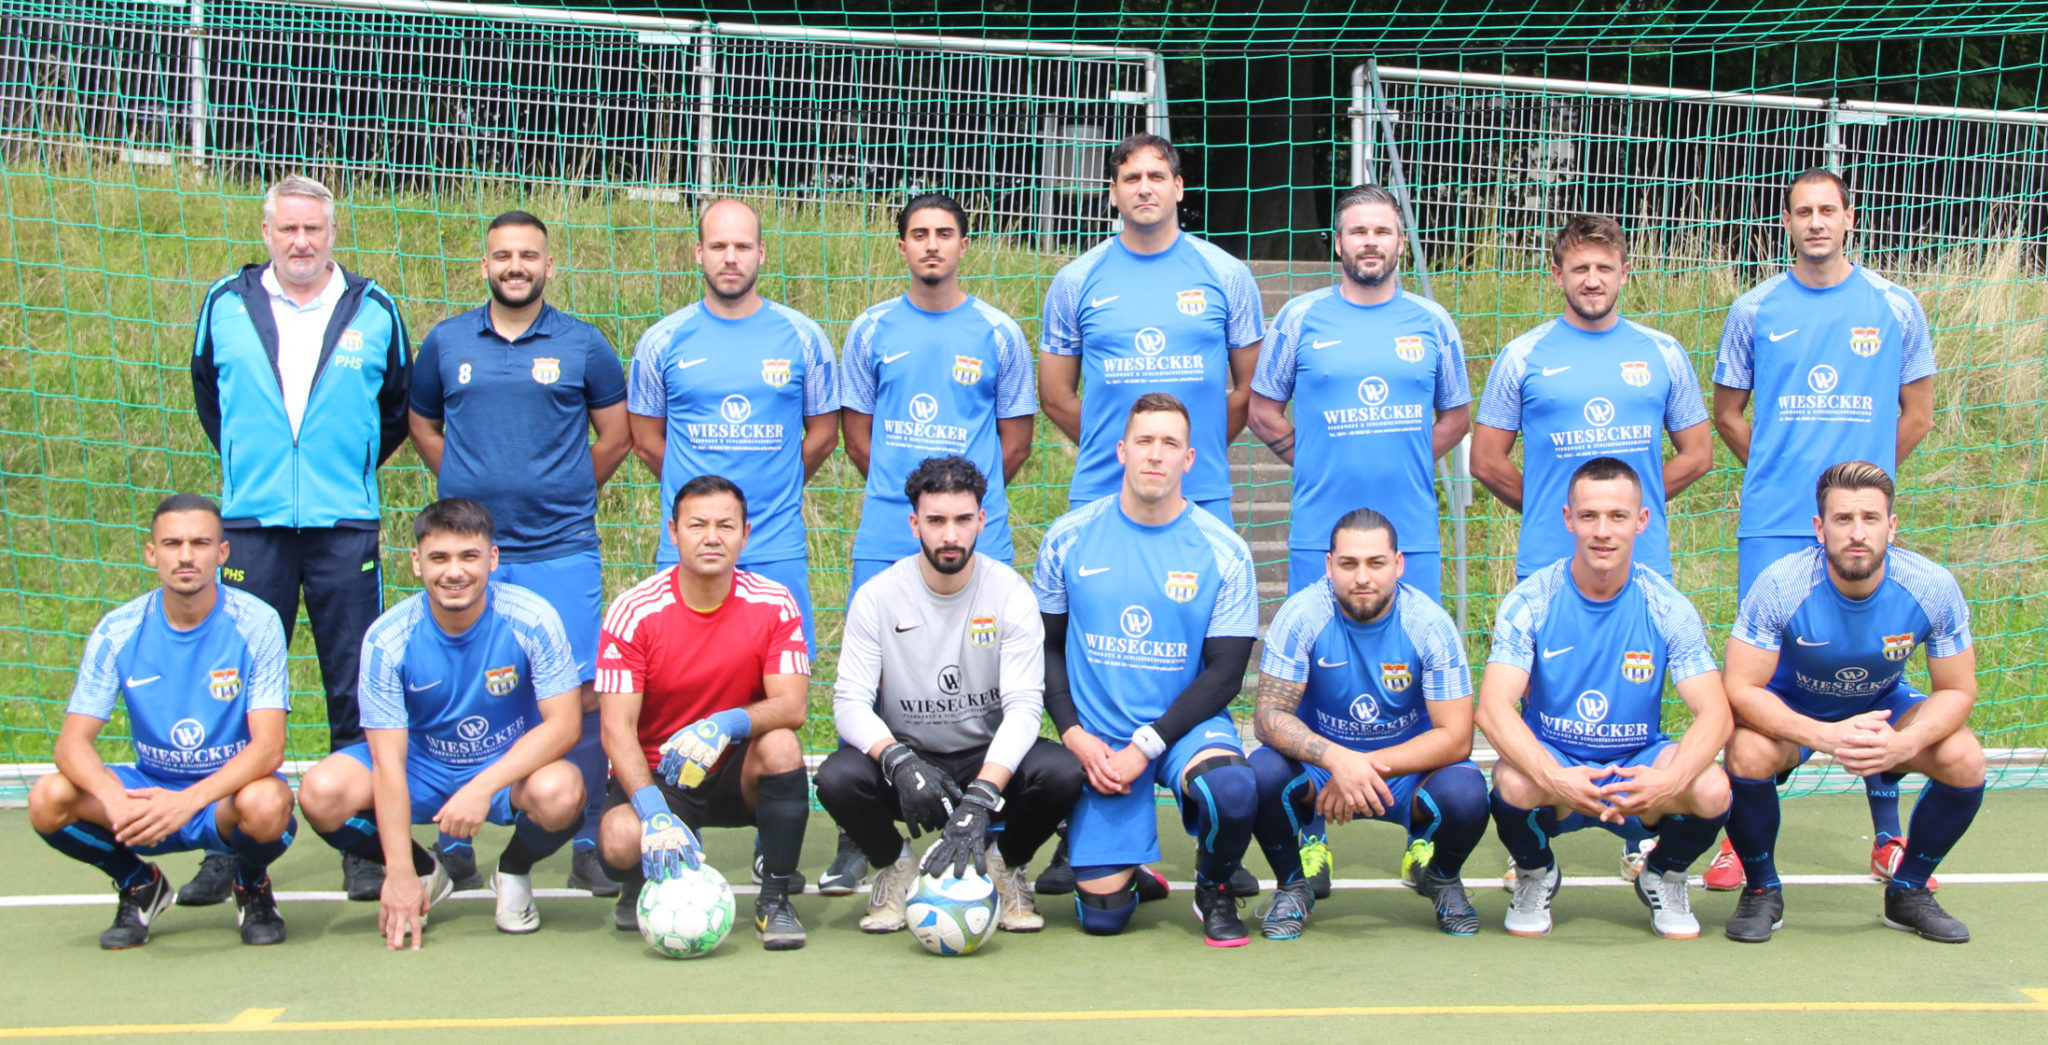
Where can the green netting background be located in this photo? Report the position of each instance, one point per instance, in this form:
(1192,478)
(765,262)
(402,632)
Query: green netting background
(136,138)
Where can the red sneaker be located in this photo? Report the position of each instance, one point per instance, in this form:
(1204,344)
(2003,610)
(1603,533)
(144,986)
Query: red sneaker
(1724,875)
(1884,862)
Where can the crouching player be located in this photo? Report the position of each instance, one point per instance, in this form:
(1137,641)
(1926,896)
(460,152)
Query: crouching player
(1365,710)
(200,668)
(1816,662)
(702,673)
(1587,642)
(1150,609)
(471,700)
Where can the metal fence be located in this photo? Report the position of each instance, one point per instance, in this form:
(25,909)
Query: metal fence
(414,91)
(1697,177)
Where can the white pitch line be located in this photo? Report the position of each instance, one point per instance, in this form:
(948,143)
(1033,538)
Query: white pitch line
(1584,882)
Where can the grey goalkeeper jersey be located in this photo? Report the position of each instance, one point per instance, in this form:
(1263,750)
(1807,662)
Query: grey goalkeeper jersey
(943,673)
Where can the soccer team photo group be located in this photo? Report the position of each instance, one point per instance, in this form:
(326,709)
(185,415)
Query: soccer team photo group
(1012,720)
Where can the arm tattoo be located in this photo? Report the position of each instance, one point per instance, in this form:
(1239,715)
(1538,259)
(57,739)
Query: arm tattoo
(1276,722)
(1283,445)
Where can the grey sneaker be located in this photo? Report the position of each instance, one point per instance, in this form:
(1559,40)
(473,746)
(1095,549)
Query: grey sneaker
(1454,913)
(1915,911)
(213,883)
(1529,909)
(361,879)
(586,872)
(887,895)
(843,875)
(775,922)
(1286,913)
(1017,910)
(1669,903)
(1758,914)
(460,860)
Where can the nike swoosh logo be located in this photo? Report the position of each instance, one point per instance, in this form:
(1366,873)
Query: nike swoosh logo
(1802,641)
(686,364)
(410,688)
(1549,653)
(133,681)
(1099,302)
(901,628)
(1553,371)
(1210,734)
(1321,663)
(1775,336)
(1325,344)
(892,359)
(1086,572)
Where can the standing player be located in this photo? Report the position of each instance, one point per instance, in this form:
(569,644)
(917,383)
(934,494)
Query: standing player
(940,693)
(1589,384)
(469,704)
(1817,662)
(1347,732)
(740,386)
(702,673)
(1572,701)
(199,667)
(1150,611)
(1150,309)
(299,376)
(514,388)
(1841,362)
(1377,376)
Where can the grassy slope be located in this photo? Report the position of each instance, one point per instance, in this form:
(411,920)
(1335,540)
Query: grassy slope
(101,269)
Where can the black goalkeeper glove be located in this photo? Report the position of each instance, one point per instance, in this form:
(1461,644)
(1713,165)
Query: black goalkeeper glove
(965,839)
(926,796)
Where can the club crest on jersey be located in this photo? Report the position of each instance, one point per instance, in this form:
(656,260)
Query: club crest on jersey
(981,631)
(500,681)
(1636,372)
(1898,647)
(1638,665)
(225,684)
(1864,341)
(187,734)
(966,370)
(1395,676)
(1181,585)
(775,372)
(1592,705)
(547,371)
(351,341)
(1193,302)
(1409,349)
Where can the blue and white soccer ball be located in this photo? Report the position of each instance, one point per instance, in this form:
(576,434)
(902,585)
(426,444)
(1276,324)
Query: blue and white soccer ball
(952,916)
(686,916)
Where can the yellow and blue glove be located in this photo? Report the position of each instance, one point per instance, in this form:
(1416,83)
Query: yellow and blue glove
(695,748)
(667,844)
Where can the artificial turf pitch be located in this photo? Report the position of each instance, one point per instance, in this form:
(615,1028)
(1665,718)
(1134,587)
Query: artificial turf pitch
(1370,967)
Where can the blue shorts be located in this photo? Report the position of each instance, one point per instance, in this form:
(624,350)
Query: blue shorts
(1402,810)
(574,585)
(1753,554)
(430,784)
(1424,571)
(1902,698)
(1630,828)
(200,832)
(1123,830)
(794,574)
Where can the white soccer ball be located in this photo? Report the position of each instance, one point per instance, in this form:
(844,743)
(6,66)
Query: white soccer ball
(686,916)
(952,916)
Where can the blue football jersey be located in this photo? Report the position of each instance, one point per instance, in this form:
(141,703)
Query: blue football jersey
(1579,394)
(188,693)
(1824,385)
(464,699)
(1368,684)
(734,393)
(1164,322)
(1139,601)
(1366,381)
(935,384)
(1839,656)
(1597,669)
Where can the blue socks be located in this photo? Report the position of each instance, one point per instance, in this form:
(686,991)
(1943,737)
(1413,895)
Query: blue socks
(1681,839)
(1753,828)
(588,758)
(357,836)
(90,843)
(1283,799)
(1525,832)
(253,858)
(532,843)
(1454,805)
(1939,820)
(1882,792)
(1224,801)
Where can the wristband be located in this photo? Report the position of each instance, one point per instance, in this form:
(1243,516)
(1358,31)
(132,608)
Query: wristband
(1147,740)
(649,803)
(735,722)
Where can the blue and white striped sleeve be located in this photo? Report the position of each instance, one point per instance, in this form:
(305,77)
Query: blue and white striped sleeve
(1776,594)
(1453,383)
(1445,673)
(1245,323)
(821,374)
(647,380)
(1935,589)
(1059,329)
(380,685)
(1500,403)
(1273,377)
(538,628)
(1685,637)
(98,686)
(1916,355)
(1684,406)
(1521,613)
(857,363)
(1291,638)
(1016,391)
(1049,576)
(1236,612)
(268,688)
(1735,367)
